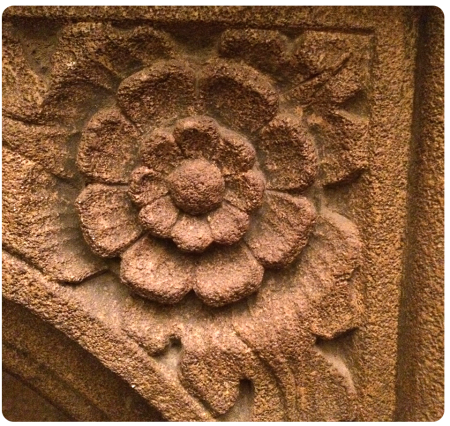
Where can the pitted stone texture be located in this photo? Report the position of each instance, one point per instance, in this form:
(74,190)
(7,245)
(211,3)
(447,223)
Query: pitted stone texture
(245,191)
(49,145)
(40,221)
(158,93)
(228,224)
(146,186)
(235,268)
(262,320)
(108,148)
(152,269)
(421,374)
(239,95)
(197,137)
(288,148)
(196,186)
(23,88)
(160,152)
(263,49)
(21,403)
(192,233)
(283,229)
(108,219)
(159,217)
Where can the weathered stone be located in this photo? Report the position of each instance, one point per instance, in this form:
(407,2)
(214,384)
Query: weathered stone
(197,186)
(210,204)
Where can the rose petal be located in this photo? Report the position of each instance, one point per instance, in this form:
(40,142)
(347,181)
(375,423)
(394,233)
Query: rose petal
(159,217)
(157,271)
(192,233)
(289,158)
(197,136)
(228,224)
(160,152)
(234,153)
(162,91)
(262,49)
(282,230)
(108,147)
(227,274)
(146,186)
(246,191)
(108,219)
(238,94)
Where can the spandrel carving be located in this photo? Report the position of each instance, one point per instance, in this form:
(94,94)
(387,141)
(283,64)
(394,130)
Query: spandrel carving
(197,176)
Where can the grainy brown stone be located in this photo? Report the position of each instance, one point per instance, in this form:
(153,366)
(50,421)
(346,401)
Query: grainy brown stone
(197,186)
(228,224)
(236,210)
(157,93)
(159,217)
(238,95)
(21,403)
(283,229)
(420,386)
(55,367)
(287,150)
(108,148)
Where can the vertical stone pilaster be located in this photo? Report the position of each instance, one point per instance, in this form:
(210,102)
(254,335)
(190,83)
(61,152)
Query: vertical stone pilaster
(420,384)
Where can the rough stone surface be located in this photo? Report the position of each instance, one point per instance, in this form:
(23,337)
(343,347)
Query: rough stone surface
(224,213)
(420,388)
(197,186)
(65,380)
(22,403)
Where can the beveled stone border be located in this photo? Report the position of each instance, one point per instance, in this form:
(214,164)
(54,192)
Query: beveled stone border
(420,386)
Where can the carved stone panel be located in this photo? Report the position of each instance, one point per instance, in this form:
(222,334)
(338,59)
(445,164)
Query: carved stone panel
(198,202)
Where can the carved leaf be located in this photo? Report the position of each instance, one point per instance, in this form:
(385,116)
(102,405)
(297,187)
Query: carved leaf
(333,99)
(316,297)
(342,137)
(197,344)
(50,146)
(40,221)
(23,90)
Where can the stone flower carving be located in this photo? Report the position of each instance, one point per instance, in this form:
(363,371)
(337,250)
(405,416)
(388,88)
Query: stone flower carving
(222,167)
(200,212)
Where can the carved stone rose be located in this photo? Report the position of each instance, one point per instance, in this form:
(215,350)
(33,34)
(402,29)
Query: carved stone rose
(196,183)
(201,174)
